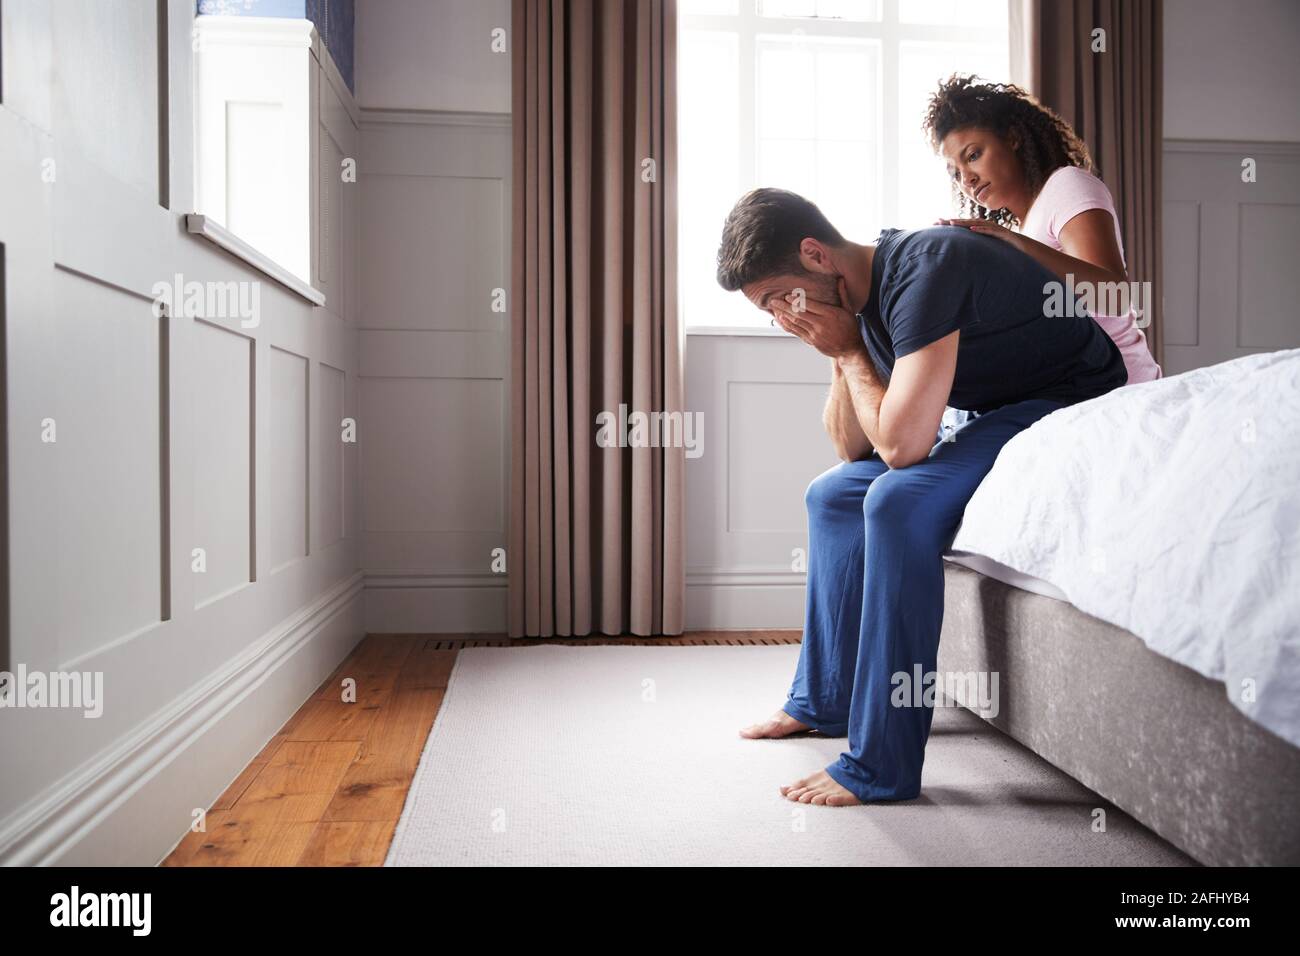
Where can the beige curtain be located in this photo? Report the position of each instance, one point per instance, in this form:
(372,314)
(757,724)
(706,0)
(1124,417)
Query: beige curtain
(596,533)
(1113,100)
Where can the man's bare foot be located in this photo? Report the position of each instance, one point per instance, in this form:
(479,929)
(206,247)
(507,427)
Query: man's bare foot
(820,789)
(779,724)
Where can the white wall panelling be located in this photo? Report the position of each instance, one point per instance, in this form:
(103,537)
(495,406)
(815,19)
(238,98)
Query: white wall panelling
(173,433)
(761,397)
(435,240)
(1229,251)
(221,410)
(432,55)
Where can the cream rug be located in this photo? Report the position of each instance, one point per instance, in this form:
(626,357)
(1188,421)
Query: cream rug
(628,755)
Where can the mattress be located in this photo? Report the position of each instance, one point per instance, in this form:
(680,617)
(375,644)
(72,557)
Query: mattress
(1007,575)
(1170,509)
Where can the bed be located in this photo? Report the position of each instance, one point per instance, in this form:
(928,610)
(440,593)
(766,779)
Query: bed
(1131,570)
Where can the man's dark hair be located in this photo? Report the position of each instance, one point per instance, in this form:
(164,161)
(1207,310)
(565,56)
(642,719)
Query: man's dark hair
(762,234)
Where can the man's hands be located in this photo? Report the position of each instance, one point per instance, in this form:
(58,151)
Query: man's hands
(831,330)
(899,420)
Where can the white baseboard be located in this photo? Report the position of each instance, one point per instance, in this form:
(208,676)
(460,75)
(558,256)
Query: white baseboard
(134,803)
(420,602)
(744,600)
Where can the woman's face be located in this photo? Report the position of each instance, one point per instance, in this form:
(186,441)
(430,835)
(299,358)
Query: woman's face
(985,166)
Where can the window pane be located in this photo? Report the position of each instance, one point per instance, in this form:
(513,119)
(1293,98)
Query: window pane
(851,70)
(708,8)
(979,13)
(821,9)
(782,97)
(708,154)
(849,9)
(845,180)
(924,193)
(788,164)
(829,153)
(816,87)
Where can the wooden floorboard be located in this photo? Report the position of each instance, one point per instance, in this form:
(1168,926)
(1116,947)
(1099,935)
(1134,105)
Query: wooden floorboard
(329,787)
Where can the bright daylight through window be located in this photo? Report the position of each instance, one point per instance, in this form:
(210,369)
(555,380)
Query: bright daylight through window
(823,97)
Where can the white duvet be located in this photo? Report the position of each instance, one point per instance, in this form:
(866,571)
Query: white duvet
(1172,509)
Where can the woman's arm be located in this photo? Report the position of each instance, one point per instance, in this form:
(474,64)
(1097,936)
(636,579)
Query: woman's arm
(1089,251)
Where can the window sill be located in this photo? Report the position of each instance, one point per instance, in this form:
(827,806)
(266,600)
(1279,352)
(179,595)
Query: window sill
(742,330)
(200,225)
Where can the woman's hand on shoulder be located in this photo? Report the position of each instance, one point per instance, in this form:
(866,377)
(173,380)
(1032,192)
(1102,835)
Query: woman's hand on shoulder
(985,227)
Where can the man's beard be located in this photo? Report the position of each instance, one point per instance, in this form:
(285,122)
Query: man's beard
(822,288)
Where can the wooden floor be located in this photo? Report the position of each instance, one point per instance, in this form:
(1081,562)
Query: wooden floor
(328,789)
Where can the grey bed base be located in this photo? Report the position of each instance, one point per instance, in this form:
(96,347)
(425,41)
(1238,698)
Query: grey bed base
(1153,737)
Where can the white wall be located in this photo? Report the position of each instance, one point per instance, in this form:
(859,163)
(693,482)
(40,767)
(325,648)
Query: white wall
(432,55)
(1231,70)
(435,357)
(173,433)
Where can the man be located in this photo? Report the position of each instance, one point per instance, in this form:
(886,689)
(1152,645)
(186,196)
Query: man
(917,322)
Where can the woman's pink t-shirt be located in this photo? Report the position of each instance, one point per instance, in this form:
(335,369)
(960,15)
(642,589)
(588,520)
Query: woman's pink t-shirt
(1068,192)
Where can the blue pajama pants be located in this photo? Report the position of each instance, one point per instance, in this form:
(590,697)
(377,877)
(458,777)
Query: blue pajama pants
(876,537)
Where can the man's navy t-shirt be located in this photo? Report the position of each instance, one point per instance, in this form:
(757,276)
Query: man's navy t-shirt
(928,283)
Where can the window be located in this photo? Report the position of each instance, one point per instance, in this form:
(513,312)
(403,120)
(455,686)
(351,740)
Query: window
(255,107)
(823,97)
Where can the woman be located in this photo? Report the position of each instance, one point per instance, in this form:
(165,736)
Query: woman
(1015,163)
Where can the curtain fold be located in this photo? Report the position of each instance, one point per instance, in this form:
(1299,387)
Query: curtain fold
(596,533)
(1114,100)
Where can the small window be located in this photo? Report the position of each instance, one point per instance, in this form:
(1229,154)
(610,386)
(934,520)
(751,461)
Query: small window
(253,134)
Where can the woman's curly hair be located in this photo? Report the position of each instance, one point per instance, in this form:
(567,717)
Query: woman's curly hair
(1047,142)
